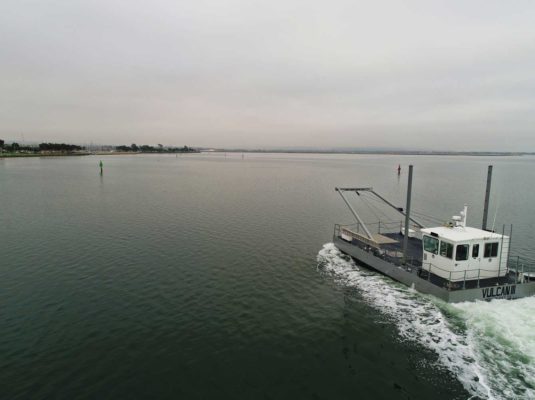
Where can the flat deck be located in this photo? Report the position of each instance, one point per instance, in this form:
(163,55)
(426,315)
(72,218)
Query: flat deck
(414,247)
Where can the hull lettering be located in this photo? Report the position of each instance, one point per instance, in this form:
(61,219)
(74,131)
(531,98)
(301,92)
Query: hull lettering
(499,292)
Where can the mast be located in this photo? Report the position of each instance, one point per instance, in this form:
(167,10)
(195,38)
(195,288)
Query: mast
(487,196)
(407,216)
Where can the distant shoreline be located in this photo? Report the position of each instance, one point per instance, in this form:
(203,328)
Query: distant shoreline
(100,153)
(132,153)
(218,151)
(33,155)
(363,152)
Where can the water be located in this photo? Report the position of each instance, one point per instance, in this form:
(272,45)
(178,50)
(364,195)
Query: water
(206,276)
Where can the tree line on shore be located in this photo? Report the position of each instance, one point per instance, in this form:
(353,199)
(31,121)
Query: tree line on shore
(15,147)
(134,148)
(59,147)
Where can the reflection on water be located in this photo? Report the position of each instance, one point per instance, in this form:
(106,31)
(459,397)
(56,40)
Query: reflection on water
(196,277)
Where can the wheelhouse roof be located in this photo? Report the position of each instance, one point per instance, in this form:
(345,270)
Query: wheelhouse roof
(461,234)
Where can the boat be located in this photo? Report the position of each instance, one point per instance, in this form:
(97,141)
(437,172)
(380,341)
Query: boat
(453,261)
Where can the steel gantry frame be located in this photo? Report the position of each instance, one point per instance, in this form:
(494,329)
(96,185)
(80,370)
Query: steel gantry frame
(390,204)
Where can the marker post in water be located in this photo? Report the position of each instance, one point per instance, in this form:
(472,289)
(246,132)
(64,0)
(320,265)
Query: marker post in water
(101,167)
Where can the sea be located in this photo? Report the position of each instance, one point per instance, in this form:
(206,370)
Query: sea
(214,276)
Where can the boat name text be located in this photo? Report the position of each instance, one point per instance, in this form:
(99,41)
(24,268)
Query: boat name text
(499,291)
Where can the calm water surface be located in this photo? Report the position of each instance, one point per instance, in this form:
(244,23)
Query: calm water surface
(205,276)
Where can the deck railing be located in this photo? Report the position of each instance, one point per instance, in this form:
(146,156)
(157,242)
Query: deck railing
(379,227)
(521,265)
(457,279)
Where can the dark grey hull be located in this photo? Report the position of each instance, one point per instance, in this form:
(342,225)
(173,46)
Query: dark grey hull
(410,278)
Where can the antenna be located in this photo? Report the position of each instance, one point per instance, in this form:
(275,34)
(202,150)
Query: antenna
(464,214)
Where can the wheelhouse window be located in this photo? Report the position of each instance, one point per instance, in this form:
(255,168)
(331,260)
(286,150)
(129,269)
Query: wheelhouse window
(491,250)
(431,244)
(475,251)
(446,249)
(461,254)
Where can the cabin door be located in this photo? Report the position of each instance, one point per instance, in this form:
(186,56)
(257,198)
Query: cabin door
(462,262)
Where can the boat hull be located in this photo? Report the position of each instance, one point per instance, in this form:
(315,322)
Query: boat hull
(410,278)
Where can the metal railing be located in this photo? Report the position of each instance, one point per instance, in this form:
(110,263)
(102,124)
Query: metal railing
(456,280)
(379,227)
(520,266)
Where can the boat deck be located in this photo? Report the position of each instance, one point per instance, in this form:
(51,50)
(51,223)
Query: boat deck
(392,250)
(414,247)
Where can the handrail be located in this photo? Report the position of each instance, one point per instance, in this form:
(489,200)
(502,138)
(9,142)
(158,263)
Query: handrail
(518,263)
(382,222)
(381,226)
(457,272)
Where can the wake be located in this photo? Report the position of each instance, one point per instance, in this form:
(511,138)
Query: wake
(489,347)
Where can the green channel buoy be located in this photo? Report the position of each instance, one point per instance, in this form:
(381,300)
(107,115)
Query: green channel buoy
(101,166)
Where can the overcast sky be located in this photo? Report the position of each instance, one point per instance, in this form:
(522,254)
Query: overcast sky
(444,75)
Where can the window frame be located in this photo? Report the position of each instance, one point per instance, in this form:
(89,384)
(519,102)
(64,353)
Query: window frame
(495,245)
(476,248)
(449,246)
(434,239)
(467,254)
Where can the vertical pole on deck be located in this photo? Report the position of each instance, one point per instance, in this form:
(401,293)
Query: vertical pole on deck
(501,251)
(487,197)
(509,248)
(407,216)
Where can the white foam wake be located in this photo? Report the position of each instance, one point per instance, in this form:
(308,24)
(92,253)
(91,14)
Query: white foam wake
(452,332)
(502,334)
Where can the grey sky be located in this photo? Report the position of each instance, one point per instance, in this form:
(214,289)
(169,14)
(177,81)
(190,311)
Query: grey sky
(449,75)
